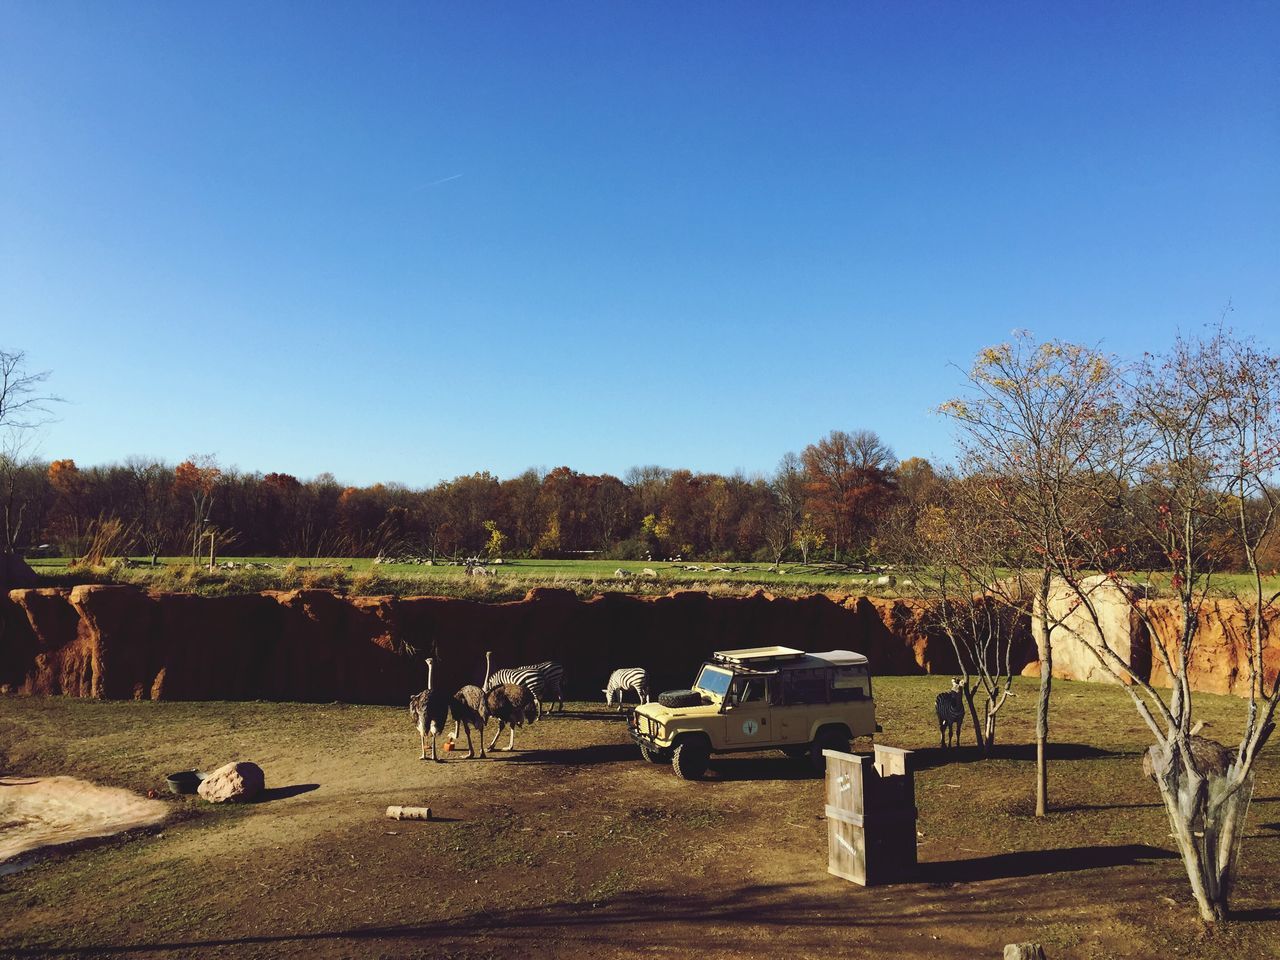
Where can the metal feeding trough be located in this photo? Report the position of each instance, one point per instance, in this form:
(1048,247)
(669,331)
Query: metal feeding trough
(184,781)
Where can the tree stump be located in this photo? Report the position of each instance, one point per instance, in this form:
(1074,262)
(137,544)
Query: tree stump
(1023,951)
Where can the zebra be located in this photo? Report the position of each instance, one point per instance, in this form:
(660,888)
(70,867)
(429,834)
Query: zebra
(950,709)
(545,681)
(624,679)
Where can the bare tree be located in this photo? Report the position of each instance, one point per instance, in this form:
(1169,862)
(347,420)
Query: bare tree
(24,406)
(787,488)
(23,403)
(1204,453)
(960,556)
(151,487)
(1036,422)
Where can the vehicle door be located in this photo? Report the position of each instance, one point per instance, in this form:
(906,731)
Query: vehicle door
(805,694)
(747,713)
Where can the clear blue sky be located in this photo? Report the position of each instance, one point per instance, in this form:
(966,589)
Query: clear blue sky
(408,241)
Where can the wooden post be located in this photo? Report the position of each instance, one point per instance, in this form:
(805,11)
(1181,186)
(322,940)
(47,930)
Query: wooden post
(871,816)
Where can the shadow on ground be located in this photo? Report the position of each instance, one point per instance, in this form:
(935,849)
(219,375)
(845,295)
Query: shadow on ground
(573,756)
(930,757)
(1031,863)
(806,920)
(282,793)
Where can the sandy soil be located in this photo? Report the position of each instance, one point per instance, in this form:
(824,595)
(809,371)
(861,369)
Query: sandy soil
(38,812)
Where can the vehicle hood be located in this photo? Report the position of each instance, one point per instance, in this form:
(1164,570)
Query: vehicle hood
(661,714)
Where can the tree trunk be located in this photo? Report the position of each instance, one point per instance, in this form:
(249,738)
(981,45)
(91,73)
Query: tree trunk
(1207,819)
(1042,705)
(979,735)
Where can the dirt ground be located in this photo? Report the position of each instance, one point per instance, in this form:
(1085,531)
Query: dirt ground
(573,846)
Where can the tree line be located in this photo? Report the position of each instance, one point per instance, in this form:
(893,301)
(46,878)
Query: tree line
(830,501)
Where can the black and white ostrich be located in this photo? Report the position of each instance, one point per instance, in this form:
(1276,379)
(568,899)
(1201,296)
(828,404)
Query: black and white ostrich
(429,713)
(470,708)
(512,705)
(950,708)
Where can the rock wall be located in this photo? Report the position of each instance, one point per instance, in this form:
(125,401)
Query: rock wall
(1139,630)
(120,642)
(1219,660)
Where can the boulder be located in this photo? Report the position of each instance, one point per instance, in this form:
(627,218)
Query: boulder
(1076,637)
(239,781)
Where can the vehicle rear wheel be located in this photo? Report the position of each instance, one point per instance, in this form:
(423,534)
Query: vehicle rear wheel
(654,755)
(828,738)
(690,758)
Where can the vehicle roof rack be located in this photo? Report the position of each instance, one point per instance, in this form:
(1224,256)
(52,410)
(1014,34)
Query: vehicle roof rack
(757,656)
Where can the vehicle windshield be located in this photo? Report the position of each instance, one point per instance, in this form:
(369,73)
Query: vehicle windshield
(713,680)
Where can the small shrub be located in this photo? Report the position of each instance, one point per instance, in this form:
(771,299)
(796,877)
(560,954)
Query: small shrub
(628,550)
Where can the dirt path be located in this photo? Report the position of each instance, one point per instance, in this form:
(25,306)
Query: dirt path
(573,847)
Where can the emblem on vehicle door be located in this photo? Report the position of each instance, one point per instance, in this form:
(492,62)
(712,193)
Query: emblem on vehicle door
(749,727)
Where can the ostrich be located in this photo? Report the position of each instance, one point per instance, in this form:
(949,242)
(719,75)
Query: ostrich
(429,713)
(512,705)
(470,708)
(949,706)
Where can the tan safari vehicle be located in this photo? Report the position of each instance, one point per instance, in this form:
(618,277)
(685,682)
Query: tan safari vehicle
(801,703)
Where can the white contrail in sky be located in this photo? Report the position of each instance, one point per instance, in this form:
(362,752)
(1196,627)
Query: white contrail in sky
(436,183)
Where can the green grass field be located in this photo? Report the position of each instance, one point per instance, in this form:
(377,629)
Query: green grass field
(514,577)
(510,579)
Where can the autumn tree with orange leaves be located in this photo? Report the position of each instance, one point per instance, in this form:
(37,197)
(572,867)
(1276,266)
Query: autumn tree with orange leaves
(198,478)
(850,482)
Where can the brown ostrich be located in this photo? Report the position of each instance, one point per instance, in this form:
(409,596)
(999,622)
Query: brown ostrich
(512,705)
(470,709)
(429,713)
(1210,757)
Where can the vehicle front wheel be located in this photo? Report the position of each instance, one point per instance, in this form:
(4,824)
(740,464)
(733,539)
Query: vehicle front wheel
(828,738)
(654,755)
(690,758)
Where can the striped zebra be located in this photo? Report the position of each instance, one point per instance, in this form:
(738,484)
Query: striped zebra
(544,680)
(624,679)
(950,709)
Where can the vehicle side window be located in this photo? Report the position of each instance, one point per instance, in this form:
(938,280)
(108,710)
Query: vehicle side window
(850,683)
(804,686)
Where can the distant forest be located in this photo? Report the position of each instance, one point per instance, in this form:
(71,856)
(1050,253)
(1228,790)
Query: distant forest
(829,501)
